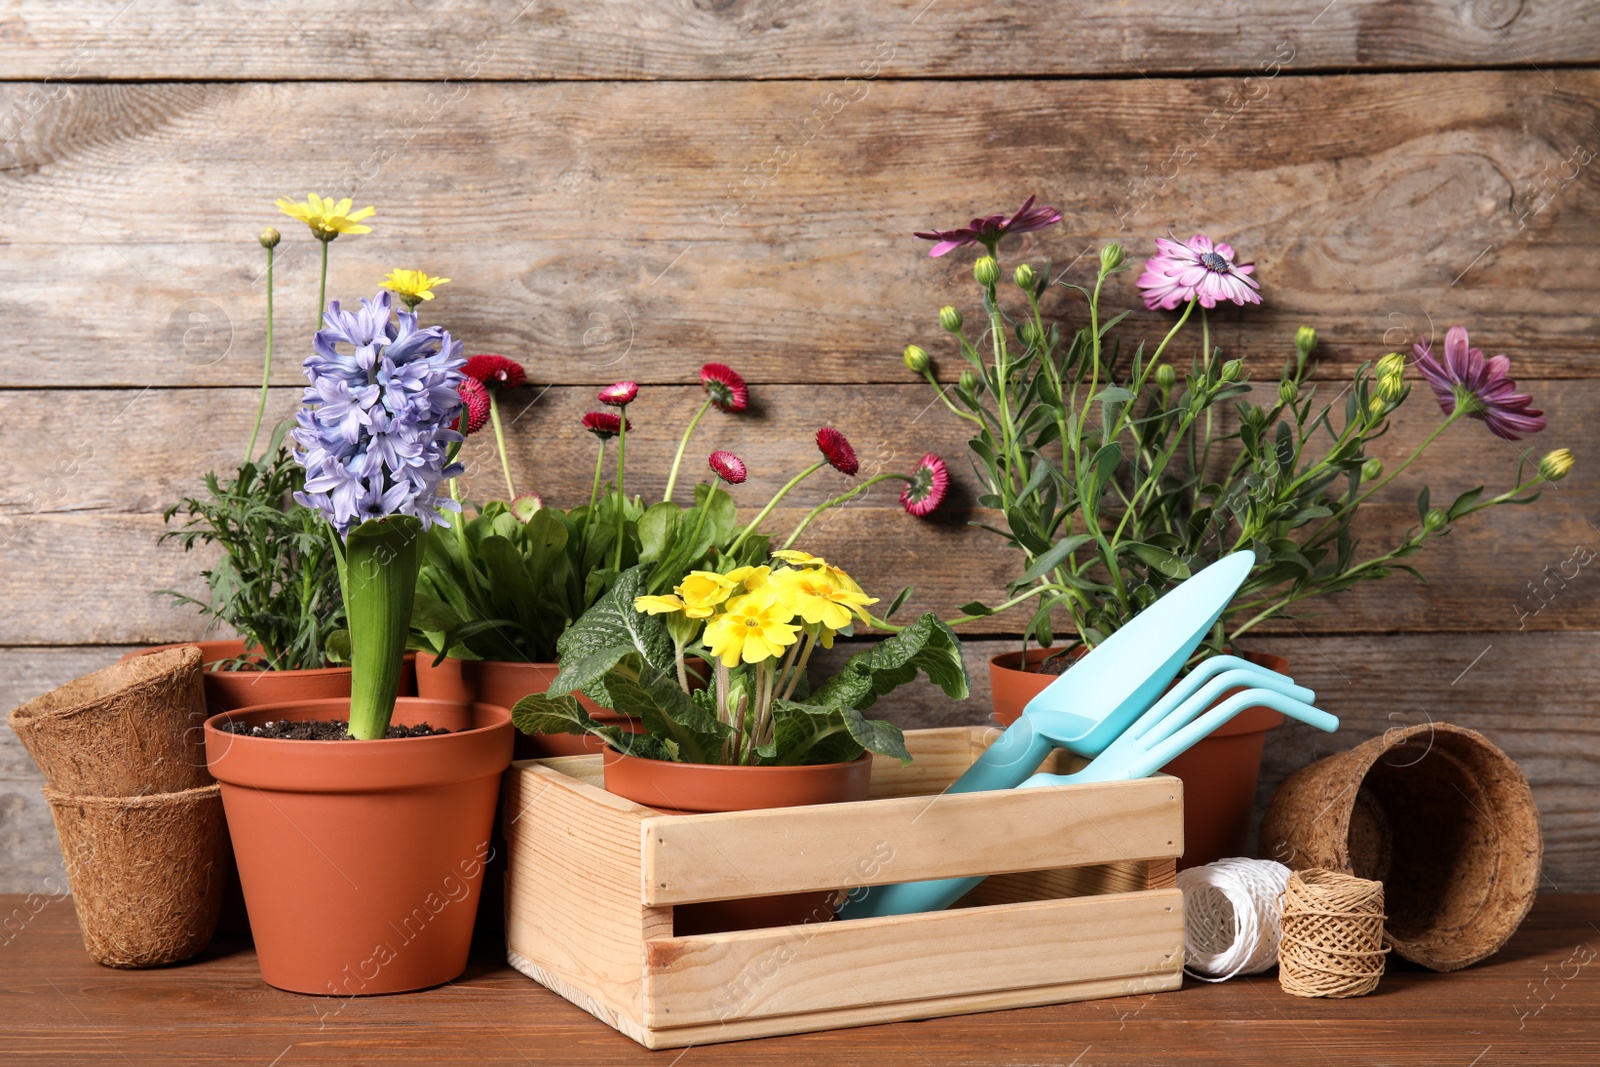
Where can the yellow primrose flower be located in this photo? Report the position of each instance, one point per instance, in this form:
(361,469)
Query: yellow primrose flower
(753,577)
(844,580)
(326,218)
(412,286)
(819,599)
(666,605)
(755,628)
(703,591)
(796,558)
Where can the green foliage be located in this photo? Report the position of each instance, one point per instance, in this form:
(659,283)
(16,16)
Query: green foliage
(277,581)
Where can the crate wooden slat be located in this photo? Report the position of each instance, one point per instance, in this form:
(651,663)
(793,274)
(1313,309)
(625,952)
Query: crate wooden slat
(1080,904)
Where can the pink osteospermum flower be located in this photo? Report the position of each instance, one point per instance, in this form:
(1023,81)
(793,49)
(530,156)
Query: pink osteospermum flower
(1482,386)
(837,451)
(495,371)
(619,395)
(603,424)
(1198,267)
(729,467)
(930,481)
(724,386)
(475,406)
(987,231)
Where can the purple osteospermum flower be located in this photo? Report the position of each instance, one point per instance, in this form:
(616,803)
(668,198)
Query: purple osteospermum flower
(1199,267)
(988,231)
(377,422)
(1482,387)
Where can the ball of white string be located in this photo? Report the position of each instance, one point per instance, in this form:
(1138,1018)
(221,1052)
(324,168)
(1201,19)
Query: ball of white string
(1231,920)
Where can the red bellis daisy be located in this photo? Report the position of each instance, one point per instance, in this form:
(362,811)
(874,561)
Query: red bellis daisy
(724,386)
(496,371)
(930,480)
(729,467)
(603,424)
(837,451)
(619,395)
(475,402)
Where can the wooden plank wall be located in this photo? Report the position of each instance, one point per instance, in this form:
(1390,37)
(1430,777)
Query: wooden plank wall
(630,189)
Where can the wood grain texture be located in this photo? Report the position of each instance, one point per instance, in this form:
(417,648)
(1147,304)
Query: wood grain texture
(603,230)
(60,1009)
(293,39)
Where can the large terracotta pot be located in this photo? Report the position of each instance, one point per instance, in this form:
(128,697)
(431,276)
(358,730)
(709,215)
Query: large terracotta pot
(686,788)
(1219,774)
(232,690)
(362,861)
(503,683)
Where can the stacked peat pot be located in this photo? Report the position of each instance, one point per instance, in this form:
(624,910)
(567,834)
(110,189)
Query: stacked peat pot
(138,815)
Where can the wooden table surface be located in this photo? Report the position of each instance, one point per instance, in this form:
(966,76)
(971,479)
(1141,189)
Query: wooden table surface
(1537,1003)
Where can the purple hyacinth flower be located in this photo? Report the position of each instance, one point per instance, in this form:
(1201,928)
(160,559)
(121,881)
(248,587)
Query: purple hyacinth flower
(1483,387)
(379,416)
(987,231)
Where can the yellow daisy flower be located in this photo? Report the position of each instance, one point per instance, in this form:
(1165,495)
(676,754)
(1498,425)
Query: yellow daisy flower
(819,599)
(702,591)
(755,628)
(796,558)
(412,286)
(326,218)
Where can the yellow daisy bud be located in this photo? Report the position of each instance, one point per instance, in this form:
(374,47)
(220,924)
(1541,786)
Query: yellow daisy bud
(1556,465)
(1025,277)
(269,238)
(1166,376)
(1305,339)
(986,270)
(950,319)
(916,359)
(1393,363)
(1391,387)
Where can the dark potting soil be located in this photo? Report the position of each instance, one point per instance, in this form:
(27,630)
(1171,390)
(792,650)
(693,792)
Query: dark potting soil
(323,730)
(1056,665)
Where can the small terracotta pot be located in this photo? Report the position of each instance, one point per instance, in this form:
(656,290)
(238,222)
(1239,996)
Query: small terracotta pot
(1219,774)
(687,788)
(503,683)
(362,861)
(232,690)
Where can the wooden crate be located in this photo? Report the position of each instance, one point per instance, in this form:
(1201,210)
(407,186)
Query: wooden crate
(1082,905)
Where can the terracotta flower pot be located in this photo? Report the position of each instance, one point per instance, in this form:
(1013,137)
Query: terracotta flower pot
(362,861)
(1219,774)
(503,683)
(686,788)
(232,690)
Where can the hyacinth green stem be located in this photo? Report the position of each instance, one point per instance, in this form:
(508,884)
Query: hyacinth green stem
(378,574)
(500,444)
(759,519)
(840,499)
(322,287)
(677,460)
(266,367)
(622,455)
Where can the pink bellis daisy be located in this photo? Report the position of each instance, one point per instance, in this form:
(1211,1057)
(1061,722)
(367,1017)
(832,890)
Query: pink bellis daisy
(1199,267)
(603,424)
(988,231)
(930,480)
(619,395)
(837,451)
(725,388)
(1481,387)
(729,467)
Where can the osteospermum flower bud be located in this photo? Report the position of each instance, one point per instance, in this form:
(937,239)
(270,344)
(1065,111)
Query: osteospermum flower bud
(837,451)
(619,395)
(603,424)
(526,506)
(475,398)
(496,372)
(1435,519)
(930,480)
(986,270)
(1372,469)
(950,319)
(1025,277)
(968,381)
(1556,465)
(725,388)
(1391,387)
(1305,339)
(1376,407)
(916,359)
(1111,257)
(1288,392)
(269,238)
(1233,370)
(1166,376)
(1393,363)
(729,467)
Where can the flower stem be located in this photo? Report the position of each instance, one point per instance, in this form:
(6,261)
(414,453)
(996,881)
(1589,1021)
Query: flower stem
(594,494)
(840,499)
(677,460)
(322,287)
(266,367)
(500,444)
(622,453)
(759,519)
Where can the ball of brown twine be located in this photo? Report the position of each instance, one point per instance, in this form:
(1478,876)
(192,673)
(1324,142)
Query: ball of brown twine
(1332,935)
